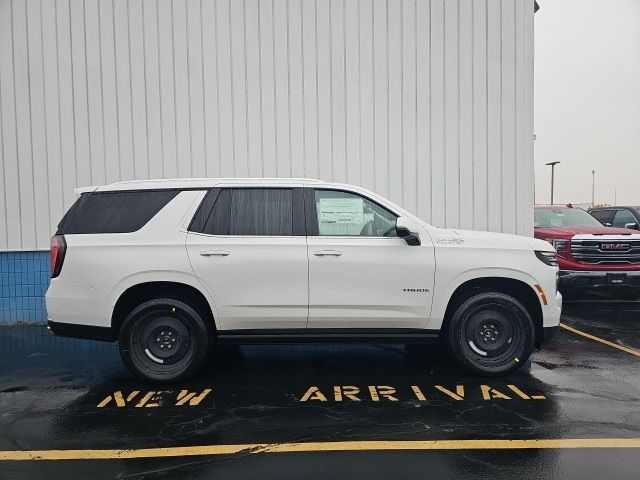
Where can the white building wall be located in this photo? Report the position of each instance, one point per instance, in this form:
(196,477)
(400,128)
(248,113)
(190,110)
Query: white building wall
(429,103)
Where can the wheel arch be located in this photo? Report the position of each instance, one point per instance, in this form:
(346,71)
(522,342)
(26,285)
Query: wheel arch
(519,289)
(137,293)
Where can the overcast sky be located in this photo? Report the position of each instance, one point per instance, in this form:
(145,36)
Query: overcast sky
(587,99)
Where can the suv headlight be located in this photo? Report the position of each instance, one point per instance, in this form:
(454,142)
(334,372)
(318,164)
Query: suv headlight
(559,245)
(550,258)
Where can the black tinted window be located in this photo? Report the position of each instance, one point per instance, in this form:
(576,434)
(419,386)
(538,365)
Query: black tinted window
(114,212)
(261,211)
(216,218)
(603,216)
(71,213)
(199,220)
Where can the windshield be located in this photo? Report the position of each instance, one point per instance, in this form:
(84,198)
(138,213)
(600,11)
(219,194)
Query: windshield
(563,217)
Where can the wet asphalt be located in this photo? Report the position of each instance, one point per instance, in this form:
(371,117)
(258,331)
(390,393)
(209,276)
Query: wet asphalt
(61,394)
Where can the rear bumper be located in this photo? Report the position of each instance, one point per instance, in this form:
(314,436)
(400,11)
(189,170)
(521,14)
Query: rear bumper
(87,332)
(77,305)
(599,279)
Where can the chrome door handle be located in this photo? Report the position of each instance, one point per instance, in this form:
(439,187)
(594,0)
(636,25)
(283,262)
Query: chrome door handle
(322,253)
(211,253)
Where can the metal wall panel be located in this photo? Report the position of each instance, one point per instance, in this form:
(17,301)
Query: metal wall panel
(427,102)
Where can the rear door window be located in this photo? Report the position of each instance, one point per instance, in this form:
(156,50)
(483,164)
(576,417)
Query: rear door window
(274,212)
(114,212)
(261,211)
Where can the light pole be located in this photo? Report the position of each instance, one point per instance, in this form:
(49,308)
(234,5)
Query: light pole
(553,166)
(593,187)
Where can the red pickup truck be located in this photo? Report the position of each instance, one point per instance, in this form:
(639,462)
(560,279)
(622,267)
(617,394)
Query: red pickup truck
(589,253)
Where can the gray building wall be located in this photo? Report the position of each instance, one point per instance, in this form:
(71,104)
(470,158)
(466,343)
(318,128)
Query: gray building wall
(426,102)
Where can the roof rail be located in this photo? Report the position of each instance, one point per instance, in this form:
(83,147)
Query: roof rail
(201,179)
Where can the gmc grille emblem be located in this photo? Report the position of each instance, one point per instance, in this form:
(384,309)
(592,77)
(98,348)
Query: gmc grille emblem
(615,246)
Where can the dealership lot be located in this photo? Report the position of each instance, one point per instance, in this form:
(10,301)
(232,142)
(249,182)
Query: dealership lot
(70,407)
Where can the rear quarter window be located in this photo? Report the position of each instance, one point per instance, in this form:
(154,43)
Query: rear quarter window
(114,212)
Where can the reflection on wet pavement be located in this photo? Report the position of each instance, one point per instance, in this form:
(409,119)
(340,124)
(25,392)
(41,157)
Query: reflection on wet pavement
(60,393)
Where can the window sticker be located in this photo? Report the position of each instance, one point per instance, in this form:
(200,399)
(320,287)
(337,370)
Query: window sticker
(341,216)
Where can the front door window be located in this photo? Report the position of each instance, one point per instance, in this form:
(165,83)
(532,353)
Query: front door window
(347,214)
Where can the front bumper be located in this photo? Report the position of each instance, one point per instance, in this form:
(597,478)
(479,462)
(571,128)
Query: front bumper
(599,279)
(549,333)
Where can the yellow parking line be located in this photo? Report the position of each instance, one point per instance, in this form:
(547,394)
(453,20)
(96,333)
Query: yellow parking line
(349,446)
(601,340)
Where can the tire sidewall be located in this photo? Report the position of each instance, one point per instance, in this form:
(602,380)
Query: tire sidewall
(519,318)
(200,341)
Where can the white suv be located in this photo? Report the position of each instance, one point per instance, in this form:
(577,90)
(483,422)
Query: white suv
(171,268)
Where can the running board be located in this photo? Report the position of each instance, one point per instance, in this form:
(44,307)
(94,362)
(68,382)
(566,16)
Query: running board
(328,335)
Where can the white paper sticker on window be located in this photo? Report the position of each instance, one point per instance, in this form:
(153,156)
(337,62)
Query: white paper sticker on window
(340,216)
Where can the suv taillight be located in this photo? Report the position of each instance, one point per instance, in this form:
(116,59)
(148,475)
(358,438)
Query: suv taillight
(58,250)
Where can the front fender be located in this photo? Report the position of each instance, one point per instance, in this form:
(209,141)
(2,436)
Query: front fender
(445,288)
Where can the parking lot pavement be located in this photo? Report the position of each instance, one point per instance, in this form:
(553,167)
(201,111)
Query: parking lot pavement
(68,407)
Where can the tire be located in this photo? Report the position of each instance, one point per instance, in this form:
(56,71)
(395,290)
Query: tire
(164,340)
(491,334)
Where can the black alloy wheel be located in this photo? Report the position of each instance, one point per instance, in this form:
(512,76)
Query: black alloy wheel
(164,340)
(491,333)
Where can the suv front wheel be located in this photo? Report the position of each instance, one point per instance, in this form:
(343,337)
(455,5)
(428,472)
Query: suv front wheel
(163,340)
(491,333)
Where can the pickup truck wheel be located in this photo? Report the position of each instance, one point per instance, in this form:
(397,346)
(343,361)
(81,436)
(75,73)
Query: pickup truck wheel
(491,333)
(163,340)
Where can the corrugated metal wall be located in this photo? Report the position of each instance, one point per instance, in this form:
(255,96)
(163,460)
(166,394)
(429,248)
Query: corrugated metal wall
(426,102)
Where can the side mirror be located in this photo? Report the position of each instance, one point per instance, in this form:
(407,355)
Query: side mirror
(607,224)
(403,232)
(632,226)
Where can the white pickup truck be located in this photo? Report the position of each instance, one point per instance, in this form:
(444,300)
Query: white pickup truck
(172,268)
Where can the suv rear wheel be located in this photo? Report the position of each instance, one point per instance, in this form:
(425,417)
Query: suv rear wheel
(163,340)
(491,333)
